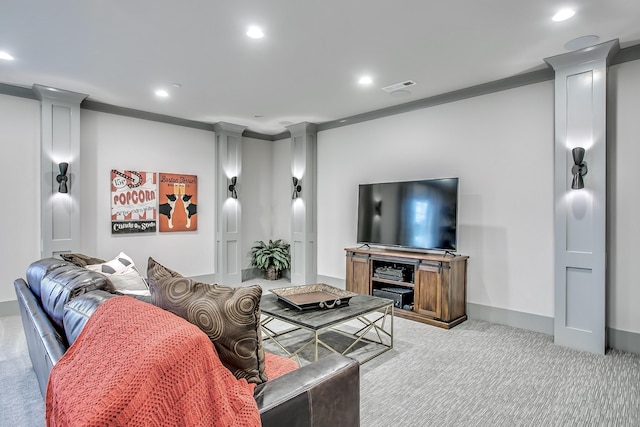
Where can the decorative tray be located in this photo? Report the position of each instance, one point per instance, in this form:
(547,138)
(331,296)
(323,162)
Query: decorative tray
(309,297)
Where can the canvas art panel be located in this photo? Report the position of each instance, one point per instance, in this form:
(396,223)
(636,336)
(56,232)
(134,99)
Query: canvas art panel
(178,202)
(133,202)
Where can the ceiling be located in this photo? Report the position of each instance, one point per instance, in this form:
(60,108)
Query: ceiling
(305,68)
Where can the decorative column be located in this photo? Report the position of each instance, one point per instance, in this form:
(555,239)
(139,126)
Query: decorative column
(303,206)
(60,143)
(228,213)
(580,213)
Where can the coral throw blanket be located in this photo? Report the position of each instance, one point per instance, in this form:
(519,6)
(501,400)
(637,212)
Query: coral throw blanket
(136,364)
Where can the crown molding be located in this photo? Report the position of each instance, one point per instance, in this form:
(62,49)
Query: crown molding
(627,54)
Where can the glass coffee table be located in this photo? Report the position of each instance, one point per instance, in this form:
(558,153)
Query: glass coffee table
(364,327)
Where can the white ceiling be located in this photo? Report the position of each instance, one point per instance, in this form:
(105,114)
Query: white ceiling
(305,68)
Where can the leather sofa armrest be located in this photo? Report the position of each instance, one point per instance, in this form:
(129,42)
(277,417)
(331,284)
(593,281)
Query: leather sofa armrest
(61,285)
(46,345)
(324,393)
(38,269)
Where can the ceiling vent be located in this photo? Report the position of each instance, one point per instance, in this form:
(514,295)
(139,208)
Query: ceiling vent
(397,86)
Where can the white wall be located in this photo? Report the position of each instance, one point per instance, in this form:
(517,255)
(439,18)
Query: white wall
(282,190)
(20,215)
(623,197)
(500,146)
(266,192)
(115,142)
(255,194)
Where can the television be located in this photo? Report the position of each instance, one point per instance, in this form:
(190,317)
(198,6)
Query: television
(419,215)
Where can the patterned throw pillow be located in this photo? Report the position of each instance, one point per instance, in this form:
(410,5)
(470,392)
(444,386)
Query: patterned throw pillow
(229,316)
(123,274)
(81,260)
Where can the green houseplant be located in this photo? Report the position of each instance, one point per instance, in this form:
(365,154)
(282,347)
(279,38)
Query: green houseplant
(272,257)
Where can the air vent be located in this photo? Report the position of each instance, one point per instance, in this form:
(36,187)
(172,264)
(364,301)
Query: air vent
(397,86)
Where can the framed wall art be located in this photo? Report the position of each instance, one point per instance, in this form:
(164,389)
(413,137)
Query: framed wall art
(178,202)
(133,202)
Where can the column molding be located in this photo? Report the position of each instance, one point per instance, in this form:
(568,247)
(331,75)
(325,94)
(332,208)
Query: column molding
(228,210)
(580,214)
(303,208)
(60,142)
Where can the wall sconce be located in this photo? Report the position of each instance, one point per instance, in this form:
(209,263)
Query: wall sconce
(63,178)
(297,188)
(377,208)
(579,168)
(232,187)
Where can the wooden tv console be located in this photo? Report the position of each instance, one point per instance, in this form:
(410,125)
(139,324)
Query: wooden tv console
(439,282)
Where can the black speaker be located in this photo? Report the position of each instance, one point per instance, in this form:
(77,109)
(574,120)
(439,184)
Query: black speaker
(400,296)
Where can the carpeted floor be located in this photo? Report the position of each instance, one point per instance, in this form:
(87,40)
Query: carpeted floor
(483,374)
(476,374)
(20,401)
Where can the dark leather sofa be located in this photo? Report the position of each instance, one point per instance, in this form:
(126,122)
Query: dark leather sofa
(58,297)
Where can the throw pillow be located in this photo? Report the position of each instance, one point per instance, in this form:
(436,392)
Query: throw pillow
(229,316)
(123,274)
(81,260)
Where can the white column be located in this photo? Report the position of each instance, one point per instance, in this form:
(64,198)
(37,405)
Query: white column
(580,214)
(303,208)
(60,138)
(229,213)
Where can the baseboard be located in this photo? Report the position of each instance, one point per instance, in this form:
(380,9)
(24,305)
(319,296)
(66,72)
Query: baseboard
(9,308)
(246,274)
(252,273)
(256,273)
(616,339)
(205,278)
(332,281)
(517,319)
(623,340)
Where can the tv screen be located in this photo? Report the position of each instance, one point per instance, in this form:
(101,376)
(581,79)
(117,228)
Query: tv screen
(415,214)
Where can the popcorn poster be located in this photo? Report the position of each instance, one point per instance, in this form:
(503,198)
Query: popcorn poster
(133,202)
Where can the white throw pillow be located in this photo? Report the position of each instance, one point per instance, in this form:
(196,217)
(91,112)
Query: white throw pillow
(123,274)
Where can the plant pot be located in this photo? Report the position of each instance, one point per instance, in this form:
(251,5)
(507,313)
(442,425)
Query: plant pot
(272,273)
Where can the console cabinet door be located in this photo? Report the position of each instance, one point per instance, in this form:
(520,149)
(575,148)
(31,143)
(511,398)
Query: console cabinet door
(358,274)
(427,297)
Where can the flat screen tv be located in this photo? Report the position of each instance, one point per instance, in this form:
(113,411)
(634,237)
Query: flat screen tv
(416,214)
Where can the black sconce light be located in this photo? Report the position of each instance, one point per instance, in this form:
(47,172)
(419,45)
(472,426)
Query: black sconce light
(63,178)
(297,188)
(232,187)
(377,208)
(579,168)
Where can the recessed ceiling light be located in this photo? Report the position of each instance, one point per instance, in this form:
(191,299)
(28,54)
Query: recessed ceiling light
(5,55)
(162,93)
(365,80)
(255,32)
(176,85)
(563,15)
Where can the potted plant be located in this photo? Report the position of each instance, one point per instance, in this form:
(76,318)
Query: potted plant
(273,257)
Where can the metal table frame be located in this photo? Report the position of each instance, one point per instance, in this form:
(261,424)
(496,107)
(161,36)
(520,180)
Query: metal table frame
(375,314)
